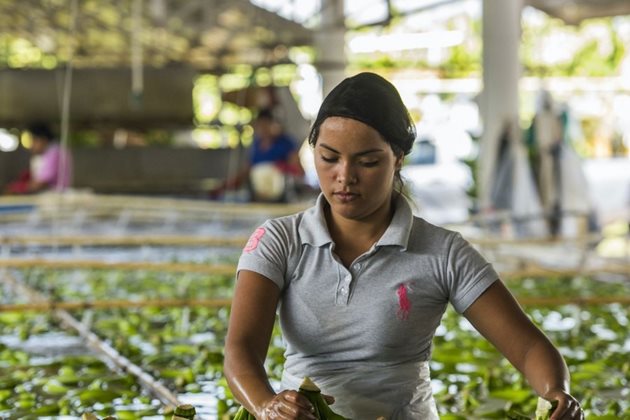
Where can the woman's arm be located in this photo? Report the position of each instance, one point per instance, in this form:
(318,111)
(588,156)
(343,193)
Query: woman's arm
(499,318)
(249,331)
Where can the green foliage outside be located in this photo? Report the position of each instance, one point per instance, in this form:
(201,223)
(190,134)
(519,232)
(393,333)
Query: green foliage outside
(184,349)
(592,59)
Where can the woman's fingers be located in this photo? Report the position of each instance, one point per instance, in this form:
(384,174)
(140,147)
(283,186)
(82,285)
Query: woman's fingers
(568,408)
(329,399)
(575,411)
(288,405)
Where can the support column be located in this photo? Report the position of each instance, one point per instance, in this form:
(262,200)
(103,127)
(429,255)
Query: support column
(330,44)
(501,74)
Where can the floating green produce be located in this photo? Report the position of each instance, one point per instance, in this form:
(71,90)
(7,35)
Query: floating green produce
(184,411)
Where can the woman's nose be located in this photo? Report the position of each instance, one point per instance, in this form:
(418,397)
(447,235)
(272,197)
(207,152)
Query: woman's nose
(346,175)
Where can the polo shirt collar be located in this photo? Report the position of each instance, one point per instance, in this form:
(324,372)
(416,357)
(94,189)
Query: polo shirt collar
(398,231)
(314,231)
(313,228)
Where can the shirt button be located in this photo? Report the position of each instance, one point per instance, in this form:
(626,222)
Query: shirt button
(357,266)
(348,278)
(343,290)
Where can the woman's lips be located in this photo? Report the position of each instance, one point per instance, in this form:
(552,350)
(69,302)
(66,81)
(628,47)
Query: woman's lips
(344,196)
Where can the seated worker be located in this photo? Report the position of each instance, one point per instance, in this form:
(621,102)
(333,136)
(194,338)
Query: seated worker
(50,166)
(272,165)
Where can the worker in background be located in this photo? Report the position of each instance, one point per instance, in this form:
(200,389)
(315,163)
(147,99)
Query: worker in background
(273,164)
(562,183)
(50,165)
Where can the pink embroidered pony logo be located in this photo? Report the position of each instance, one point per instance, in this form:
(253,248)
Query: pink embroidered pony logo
(253,241)
(404,306)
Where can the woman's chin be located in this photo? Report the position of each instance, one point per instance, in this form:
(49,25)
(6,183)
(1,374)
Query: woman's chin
(349,210)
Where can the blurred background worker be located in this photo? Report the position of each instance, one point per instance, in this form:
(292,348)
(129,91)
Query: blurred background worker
(50,165)
(561,180)
(273,166)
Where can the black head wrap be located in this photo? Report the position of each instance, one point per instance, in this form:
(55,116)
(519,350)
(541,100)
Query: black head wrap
(265,114)
(372,100)
(41,130)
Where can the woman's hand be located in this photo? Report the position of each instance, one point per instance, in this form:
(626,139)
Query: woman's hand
(288,405)
(568,407)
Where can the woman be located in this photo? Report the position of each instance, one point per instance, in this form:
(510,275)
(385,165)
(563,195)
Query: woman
(361,284)
(50,166)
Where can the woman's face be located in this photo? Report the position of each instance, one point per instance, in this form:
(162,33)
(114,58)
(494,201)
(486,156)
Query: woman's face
(39,145)
(355,167)
(266,128)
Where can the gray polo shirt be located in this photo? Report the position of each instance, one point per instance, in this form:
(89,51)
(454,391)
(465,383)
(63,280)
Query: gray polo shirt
(381,312)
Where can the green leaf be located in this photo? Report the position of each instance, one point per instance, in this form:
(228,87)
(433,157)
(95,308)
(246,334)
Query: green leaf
(55,387)
(46,410)
(5,394)
(91,396)
(514,395)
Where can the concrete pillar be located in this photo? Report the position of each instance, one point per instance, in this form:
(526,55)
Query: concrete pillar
(501,73)
(330,44)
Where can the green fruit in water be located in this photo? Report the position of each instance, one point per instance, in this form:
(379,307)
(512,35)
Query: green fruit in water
(185,411)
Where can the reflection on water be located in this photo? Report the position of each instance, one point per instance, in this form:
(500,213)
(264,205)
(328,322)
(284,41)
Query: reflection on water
(47,346)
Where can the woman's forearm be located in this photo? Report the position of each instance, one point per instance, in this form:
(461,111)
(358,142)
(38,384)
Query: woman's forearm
(545,369)
(249,332)
(499,318)
(247,378)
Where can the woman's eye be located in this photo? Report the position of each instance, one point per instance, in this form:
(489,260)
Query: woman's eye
(370,163)
(328,159)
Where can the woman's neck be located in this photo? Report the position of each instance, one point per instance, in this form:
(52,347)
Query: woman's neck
(358,235)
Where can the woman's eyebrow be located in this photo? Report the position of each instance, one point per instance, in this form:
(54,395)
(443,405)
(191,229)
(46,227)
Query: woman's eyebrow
(361,153)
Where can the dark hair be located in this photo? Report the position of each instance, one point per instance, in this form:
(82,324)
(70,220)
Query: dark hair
(265,114)
(41,130)
(372,100)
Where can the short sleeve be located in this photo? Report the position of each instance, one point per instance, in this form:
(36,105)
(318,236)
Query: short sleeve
(469,274)
(266,253)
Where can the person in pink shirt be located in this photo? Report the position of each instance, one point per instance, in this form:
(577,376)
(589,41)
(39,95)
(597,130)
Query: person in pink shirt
(50,168)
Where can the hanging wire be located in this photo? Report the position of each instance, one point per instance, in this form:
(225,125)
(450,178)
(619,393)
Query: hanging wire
(137,80)
(235,152)
(63,163)
(67,92)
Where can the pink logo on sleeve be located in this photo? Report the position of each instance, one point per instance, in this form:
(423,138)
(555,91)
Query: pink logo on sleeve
(253,241)
(404,306)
